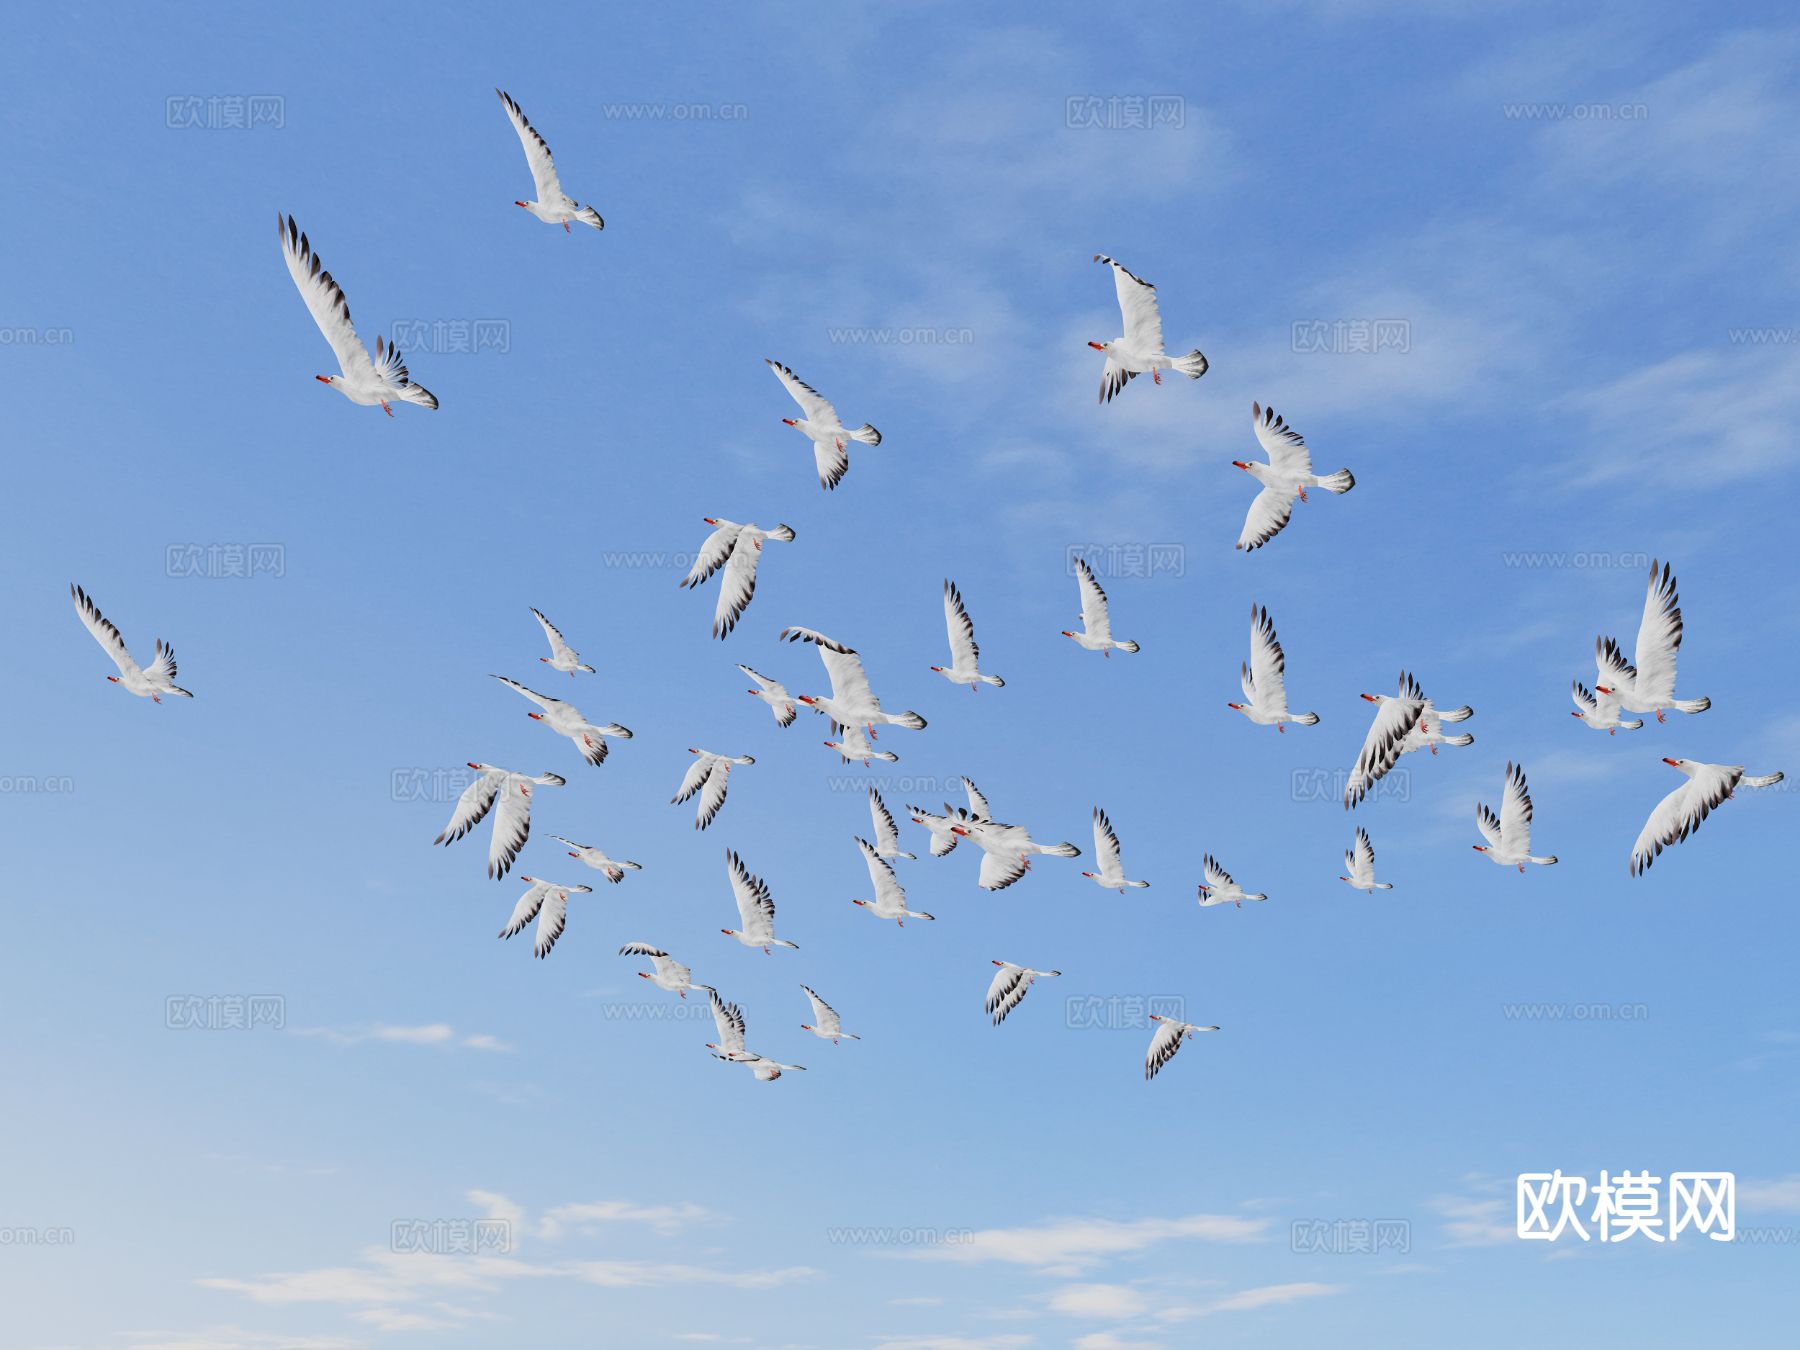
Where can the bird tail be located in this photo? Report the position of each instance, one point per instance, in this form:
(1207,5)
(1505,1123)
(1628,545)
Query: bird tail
(866,434)
(1340,482)
(785,533)
(1258,896)
(1467,738)
(177,689)
(994,680)
(885,756)
(419,394)
(631,866)
(911,856)
(1761,780)
(588,216)
(910,720)
(1691,705)
(1307,719)
(1632,726)
(589,669)
(613,729)
(1141,885)
(1193,365)
(791,946)
(1384,885)
(1544,862)
(1128,647)
(1461,714)
(1064,850)
(921,914)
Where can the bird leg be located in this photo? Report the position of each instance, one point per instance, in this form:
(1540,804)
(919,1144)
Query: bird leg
(1303,494)
(1280,730)
(1659,716)
(1156,376)
(1434,750)
(566,229)
(156,698)
(384,407)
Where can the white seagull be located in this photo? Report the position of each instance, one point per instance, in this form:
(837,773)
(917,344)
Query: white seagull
(153,683)
(1509,834)
(890,898)
(775,695)
(822,426)
(1219,888)
(853,702)
(562,656)
(1007,850)
(595,858)
(737,548)
(729,1018)
(1679,814)
(1285,477)
(1166,1041)
(1011,984)
(944,837)
(965,654)
(713,773)
(380,381)
(565,719)
(1600,709)
(1264,677)
(512,821)
(1096,620)
(553,206)
(1359,862)
(887,833)
(1106,852)
(1140,350)
(1395,716)
(1649,685)
(669,974)
(756,908)
(549,905)
(853,744)
(1428,734)
(825,1024)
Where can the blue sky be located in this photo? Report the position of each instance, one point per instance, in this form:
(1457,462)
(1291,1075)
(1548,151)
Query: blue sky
(1578,219)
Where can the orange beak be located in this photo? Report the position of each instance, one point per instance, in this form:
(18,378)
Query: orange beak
(1098,346)
(323,379)
(1672,763)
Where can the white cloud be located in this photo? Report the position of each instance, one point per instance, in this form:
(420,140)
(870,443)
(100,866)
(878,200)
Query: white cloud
(1005,1341)
(1074,1244)
(589,1217)
(1781,1195)
(428,1034)
(1098,1300)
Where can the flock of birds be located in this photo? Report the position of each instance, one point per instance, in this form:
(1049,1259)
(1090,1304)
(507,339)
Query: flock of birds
(1404,721)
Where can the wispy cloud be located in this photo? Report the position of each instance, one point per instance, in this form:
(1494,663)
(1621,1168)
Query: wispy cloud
(439,1034)
(1071,1245)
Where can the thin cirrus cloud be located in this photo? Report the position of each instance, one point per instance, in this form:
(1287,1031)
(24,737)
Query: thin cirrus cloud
(439,1034)
(1076,1244)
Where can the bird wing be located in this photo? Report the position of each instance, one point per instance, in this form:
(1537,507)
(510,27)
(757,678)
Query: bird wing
(998,871)
(729,1019)
(1113,378)
(644,949)
(1095,617)
(1679,814)
(1268,664)
(1585,701)
(824,1015)
(1270,510)
(756,907)
(718,783)
(1217,878)
(558,647)
(1011,999)
(1611,668)
(543,701)
(849,681)
(697,773)
(537,155)
(965,652)
(1515,812)
(104,632)
(1137,306)
(512,824)
(1163,1045)
(814,404)
(738,585)
(552,918)
(1658,640)
(888,892)
(1362,861)
(832,460)
(1286,447)
(887,833)
(1106,844)
(713,553)
(1006,979)
(472,806)
(527,908)
(1394,718)
(978,802)
(325,302)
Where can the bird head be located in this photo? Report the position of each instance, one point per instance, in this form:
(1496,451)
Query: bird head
(807,699)
(1371,698)
(1601,689)
(1239,464)
(1237,706)
(938,669)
